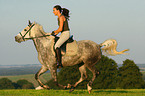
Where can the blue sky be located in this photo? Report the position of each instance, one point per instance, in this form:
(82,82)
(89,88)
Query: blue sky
(96,20)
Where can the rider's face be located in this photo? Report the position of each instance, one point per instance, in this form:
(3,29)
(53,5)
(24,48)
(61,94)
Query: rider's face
(55,11)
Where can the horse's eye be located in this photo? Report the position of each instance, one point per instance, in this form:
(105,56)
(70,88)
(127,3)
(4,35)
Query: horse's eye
(25,29)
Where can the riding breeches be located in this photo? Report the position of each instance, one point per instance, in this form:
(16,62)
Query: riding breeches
(63,37)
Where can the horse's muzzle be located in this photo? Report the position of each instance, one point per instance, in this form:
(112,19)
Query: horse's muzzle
(17,39)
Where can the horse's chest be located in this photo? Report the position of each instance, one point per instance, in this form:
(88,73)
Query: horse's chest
(42,50)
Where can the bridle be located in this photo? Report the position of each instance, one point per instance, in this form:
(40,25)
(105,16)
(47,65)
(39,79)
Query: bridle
(23,37)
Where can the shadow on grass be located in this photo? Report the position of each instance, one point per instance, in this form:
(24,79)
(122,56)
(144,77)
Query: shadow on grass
(117,91)
(100,91)
(111,91)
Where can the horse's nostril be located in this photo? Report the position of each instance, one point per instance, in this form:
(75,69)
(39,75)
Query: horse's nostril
(16,38)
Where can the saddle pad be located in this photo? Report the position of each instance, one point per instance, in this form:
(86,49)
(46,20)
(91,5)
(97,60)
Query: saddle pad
(71,49)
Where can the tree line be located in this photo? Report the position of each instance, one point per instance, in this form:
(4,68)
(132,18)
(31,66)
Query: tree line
(5,83)
(128,76)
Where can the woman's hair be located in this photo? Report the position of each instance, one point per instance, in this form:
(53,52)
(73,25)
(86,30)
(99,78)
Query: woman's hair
(64,11)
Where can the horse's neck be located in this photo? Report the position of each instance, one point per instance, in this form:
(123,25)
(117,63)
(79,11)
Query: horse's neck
(43,43)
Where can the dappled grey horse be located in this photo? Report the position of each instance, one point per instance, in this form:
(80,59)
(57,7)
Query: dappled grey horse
(88,54)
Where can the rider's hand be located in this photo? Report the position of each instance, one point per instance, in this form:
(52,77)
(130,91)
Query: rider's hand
(52,33)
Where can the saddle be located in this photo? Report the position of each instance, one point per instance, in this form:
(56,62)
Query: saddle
(69,48)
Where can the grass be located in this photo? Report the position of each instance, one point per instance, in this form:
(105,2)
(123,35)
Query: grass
(99,92)
(30,77)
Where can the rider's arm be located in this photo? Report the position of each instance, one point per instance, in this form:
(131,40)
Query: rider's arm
(60,26)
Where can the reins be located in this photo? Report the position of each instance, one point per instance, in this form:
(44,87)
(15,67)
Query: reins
(37,37)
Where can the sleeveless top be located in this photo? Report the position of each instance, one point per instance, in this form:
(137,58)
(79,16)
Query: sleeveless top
(65,25)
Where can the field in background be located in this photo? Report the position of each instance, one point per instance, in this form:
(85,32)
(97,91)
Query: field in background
(99,92)
(30,77)
(28,71)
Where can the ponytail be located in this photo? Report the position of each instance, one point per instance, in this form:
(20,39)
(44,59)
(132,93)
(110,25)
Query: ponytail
(64,11)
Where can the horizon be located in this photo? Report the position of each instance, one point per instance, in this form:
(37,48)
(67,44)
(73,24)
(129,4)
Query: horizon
(41,64)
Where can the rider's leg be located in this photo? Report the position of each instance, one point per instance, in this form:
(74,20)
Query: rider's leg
(63,37)
(58,57)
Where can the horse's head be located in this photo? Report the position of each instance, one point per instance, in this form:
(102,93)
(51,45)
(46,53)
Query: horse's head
(25,33)
(33,30)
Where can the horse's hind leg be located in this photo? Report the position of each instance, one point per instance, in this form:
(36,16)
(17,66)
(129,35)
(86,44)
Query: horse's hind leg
(95,73)
(40,72)
(82,70)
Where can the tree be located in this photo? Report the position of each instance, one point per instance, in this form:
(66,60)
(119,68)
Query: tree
(24,84)
(130,76)
(106,79)
(5,83)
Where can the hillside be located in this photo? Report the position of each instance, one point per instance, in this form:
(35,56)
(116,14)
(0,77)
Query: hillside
(19,69)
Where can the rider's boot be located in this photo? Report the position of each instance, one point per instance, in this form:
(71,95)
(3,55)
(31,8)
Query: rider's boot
(58,57)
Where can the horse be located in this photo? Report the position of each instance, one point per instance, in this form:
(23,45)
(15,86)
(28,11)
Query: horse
(88,54)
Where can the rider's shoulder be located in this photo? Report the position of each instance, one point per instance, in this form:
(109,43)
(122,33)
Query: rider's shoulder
(62,17)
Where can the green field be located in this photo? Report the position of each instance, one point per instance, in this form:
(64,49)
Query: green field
(30,77)
(100,92)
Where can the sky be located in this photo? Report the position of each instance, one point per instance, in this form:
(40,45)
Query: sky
(96,20)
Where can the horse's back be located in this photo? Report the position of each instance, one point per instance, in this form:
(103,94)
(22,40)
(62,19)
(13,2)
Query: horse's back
(88,44)
(89,49)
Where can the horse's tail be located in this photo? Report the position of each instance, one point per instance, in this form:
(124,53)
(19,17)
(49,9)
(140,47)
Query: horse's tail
(109,48)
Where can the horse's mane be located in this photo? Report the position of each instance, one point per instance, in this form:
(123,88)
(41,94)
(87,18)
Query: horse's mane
(40,31)
(40,27)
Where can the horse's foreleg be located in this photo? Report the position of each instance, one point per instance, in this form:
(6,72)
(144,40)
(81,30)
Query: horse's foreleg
(40,72)
(82,70)
(54,76)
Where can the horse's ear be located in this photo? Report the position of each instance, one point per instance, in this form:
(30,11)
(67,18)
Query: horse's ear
(30,23)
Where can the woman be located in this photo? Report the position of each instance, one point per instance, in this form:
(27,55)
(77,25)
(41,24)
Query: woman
(63,17)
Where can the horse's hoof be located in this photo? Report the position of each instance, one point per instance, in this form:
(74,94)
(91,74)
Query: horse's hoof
(46,87)
(89,91)
(72,89)
(39,88)
(65,87)
(68,86)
